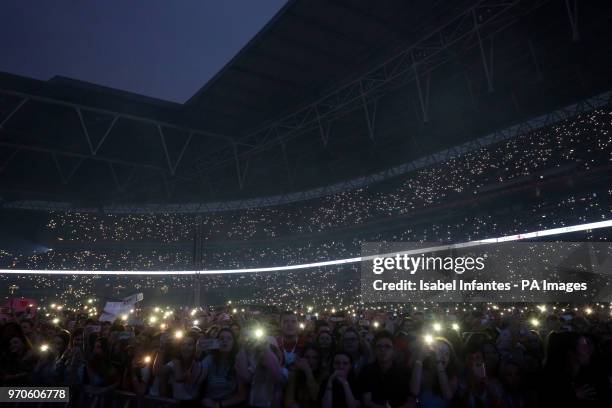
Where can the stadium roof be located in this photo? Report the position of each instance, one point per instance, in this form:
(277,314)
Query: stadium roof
(327,91)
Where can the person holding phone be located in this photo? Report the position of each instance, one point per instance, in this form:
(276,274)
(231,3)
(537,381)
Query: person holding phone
(269,376)
(161,356)
(99,371)
(479,390)
(137,374)
(434,373)
(184,373)
(50,367)
(222,385)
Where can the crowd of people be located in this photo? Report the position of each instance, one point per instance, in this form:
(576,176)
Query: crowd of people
(444,202)
(439,356)
(238,355)
(334,285)
(575,146)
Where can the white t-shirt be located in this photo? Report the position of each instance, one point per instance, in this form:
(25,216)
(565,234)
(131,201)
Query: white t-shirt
(181,389)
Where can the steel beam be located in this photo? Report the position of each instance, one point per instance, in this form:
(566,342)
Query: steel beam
(19,105)
(65,177)
(571,6)
(114,114)
(509,133)
(536,62)
(59,152)
(240,172)
(429,52)
(487,66)
(103,139)
(290,177)
(8,160)
(370,118)
(423,99)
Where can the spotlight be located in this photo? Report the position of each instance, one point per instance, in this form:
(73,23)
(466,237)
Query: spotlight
(455,327)
(437,327)
(428,339)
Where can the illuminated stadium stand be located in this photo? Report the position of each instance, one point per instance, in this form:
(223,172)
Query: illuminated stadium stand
(488,241)
(568,112)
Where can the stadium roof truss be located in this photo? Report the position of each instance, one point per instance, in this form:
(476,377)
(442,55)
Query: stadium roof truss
(476,26)
(133,150)
(521,129)
(94,146)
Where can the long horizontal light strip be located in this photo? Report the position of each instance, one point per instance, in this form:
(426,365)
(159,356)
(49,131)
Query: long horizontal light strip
(508,238)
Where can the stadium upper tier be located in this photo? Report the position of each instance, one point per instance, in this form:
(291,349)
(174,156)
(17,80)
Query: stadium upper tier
(330,285)
(568,159)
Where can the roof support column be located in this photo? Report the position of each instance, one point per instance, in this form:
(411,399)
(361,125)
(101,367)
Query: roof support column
(488,66)
(572,13)
(8,160)
(370,117)
(423,98)
(324,130)
(536,62)
(241,173)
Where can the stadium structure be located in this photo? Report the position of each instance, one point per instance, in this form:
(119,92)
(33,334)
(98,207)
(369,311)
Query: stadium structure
(338,123)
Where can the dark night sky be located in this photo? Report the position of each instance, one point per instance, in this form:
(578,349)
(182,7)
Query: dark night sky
(160,48)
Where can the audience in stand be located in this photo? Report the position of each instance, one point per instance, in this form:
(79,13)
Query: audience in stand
(477,358)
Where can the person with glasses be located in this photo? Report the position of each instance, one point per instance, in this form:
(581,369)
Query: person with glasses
(384,383)
(352,345)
